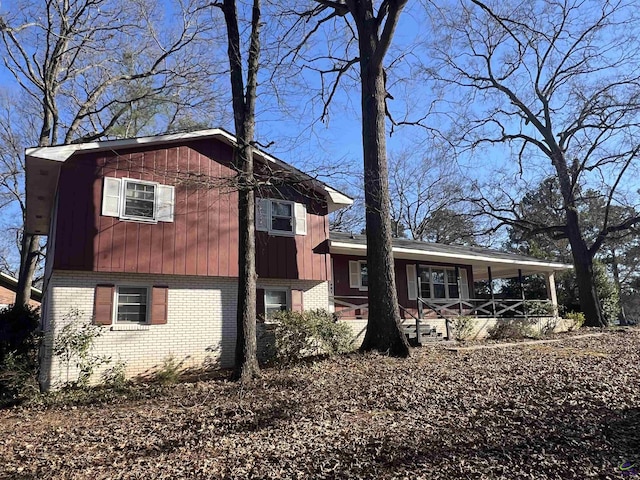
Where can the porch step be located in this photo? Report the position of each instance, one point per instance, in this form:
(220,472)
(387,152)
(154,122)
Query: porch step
(427,334)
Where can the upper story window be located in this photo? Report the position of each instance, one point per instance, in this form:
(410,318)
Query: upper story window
(281,217)
(138,200)
(358,275)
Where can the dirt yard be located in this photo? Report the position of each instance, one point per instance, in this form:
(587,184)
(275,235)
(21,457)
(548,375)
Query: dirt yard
(566,410)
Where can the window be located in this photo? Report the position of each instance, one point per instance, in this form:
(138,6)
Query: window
(132,305)
(281,217)
(440,282)
(137,200)
(358,275)
(275,301)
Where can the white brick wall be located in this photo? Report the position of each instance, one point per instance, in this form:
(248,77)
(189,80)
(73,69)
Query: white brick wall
(200,328)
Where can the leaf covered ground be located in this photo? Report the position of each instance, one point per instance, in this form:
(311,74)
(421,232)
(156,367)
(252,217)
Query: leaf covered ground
(560,411)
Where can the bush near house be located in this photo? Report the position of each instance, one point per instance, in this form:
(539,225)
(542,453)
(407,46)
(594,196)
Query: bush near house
(19,343)
(313,332)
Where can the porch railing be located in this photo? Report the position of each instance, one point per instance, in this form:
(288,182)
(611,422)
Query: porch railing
(351,307)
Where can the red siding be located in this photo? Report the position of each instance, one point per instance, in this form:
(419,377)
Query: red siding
(202,240)
(342,288)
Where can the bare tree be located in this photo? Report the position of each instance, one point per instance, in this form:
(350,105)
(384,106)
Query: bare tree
(88,65)
(371,28)
(244,106)
(557,82)
(427,199)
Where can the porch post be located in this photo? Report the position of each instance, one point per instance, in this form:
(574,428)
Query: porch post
(552,293)
(521,285)
(459,289)
(493,298)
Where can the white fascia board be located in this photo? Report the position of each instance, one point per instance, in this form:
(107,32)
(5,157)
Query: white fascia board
(63,152)
(359,249)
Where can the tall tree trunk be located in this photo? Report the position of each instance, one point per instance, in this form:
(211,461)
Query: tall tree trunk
(29,250)
(383,327)
(582,257)
(246,362)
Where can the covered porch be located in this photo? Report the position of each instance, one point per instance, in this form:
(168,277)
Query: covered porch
(438,284)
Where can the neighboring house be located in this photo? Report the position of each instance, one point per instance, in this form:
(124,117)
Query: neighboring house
(8,285)
(142,240)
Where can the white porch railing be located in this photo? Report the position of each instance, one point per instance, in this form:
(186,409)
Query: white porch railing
(358,307)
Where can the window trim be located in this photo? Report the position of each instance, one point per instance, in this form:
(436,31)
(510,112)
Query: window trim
(123,201)
(287,292)
(429,268)
(116,304)
(358,286)
(286,233)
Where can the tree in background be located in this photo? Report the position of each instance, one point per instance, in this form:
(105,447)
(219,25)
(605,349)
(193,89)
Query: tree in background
(557,83)
(94,69)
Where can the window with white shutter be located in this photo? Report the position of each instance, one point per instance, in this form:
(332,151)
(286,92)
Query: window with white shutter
(137,200)
(281,217)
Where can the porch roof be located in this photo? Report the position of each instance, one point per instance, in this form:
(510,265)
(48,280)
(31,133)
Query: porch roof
(503,264)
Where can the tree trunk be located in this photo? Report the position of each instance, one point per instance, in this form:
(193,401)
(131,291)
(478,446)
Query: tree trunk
(246,366)
(29,249)
(582,257)
(622,317)
(383,328)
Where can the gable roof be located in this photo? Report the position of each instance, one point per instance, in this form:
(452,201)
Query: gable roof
(43,168)
(501,263)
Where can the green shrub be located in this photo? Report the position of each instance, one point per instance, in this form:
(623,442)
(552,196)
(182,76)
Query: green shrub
(74,345)
(577,319)
(538,309)
(313,332)
(462,327)
(115,377)
(19,344)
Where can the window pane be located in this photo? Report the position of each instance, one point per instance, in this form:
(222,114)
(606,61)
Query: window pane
(132,305)
(281,209)
(425,285)
(139,200)
(451,277)
(437,276)
(364,276)
(282,223)
(453,291)
(438,290)
(276,297)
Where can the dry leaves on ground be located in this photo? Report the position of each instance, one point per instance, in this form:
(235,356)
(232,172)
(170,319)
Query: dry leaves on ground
(567,410)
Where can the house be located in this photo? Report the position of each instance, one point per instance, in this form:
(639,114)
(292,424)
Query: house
(142,241)
(8,285)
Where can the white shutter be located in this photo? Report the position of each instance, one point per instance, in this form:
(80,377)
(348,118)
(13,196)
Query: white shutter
(301,218)
(111,197)
(464,284)
(263,214)
(412,282)
(165,203)
(354,274)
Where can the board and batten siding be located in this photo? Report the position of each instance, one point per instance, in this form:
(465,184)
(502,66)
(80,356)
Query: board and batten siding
(202,239)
